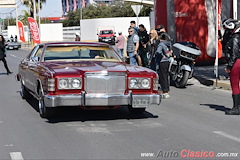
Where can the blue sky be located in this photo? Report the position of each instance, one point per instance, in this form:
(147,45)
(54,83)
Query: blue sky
(52,8)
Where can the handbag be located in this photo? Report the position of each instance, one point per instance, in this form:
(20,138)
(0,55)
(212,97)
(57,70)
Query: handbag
(5,52)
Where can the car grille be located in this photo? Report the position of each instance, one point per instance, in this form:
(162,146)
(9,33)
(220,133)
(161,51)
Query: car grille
(105,83)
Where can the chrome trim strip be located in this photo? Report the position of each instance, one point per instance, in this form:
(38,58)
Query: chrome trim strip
(105,73)
(84,99)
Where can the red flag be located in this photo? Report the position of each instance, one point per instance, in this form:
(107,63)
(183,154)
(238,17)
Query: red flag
(34,30)
(219,13)
(21,31)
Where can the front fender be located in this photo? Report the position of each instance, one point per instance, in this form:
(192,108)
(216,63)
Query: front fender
(186,67)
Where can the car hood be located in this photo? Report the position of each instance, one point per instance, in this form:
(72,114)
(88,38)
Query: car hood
(63,68)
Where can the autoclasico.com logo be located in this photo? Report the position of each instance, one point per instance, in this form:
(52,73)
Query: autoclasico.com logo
(188,154)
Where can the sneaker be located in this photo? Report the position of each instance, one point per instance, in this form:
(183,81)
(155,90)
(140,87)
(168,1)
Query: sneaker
(165,96)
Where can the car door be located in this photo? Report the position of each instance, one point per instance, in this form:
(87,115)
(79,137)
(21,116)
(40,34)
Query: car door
(33,67)
(25,68)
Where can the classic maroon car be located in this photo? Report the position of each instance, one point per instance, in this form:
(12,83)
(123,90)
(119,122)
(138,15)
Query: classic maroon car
(89,75)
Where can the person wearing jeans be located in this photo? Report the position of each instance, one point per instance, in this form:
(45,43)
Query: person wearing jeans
(120,44)
(132,46)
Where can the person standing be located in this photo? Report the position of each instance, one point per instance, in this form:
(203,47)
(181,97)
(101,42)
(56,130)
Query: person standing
(143,39)
(16,38)
(152,47)
(160,28)
(120,43)
(134,26)
(132,46)
(232,52)
(163,56)
(77,38)
(2,54)
(11,38)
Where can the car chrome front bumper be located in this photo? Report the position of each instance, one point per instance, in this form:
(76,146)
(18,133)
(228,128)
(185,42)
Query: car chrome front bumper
(84,99)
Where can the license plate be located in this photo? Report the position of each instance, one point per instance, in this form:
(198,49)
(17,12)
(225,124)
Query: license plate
(10,47)
(141,102)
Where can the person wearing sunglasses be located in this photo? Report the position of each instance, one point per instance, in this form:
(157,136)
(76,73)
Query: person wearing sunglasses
(132,46)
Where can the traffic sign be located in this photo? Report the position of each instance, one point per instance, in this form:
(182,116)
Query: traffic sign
(137,9)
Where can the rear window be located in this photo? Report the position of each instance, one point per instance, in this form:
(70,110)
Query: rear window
(100,53)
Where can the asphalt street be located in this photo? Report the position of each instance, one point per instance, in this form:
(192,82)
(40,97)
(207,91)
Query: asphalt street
(190,124)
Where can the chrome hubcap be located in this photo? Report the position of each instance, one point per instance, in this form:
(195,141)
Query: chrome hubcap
(41,104)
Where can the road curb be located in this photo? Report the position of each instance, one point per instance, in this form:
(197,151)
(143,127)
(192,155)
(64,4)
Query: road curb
(221,84)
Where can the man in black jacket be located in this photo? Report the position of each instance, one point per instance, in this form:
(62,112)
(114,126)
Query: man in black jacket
(143,40)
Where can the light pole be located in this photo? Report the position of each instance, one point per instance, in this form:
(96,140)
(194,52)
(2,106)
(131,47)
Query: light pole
(80,9)
(34,10)
(39,13)
(216,60)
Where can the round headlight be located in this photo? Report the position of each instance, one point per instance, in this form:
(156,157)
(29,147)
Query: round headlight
(63,84)
(133,83)
(145,83)
(76,83)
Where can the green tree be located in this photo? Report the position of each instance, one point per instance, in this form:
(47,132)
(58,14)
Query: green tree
(29,3)
(73,19)
(24,17)
(9,21)
(104,11)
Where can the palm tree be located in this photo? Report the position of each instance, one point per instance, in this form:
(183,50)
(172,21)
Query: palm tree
(29,3)
(24,17)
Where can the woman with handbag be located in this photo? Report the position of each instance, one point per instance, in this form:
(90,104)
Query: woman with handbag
(163,59)
(2,54)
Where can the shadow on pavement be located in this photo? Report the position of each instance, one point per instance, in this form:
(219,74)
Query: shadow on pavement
(204,81)
(3,73)
(68,114)
(216,107)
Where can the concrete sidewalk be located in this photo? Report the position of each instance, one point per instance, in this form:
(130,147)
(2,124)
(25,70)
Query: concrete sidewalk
(206,76)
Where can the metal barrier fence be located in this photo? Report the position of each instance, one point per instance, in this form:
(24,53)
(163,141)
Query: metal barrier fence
(69,33)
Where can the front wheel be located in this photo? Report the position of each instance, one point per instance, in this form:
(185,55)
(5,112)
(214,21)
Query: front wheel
(44,112)
(182,78)
(136,110)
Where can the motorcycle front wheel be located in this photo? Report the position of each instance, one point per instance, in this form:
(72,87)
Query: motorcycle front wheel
(182,78)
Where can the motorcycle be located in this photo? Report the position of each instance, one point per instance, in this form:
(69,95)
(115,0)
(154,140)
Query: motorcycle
(182,63)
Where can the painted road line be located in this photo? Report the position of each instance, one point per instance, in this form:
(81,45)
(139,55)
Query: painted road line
(13,55)
(227,136)
(16,156)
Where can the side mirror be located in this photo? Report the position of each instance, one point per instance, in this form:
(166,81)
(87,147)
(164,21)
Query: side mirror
(35,59)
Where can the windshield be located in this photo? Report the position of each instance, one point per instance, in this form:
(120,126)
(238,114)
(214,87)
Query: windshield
(106,32)
(63,53)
